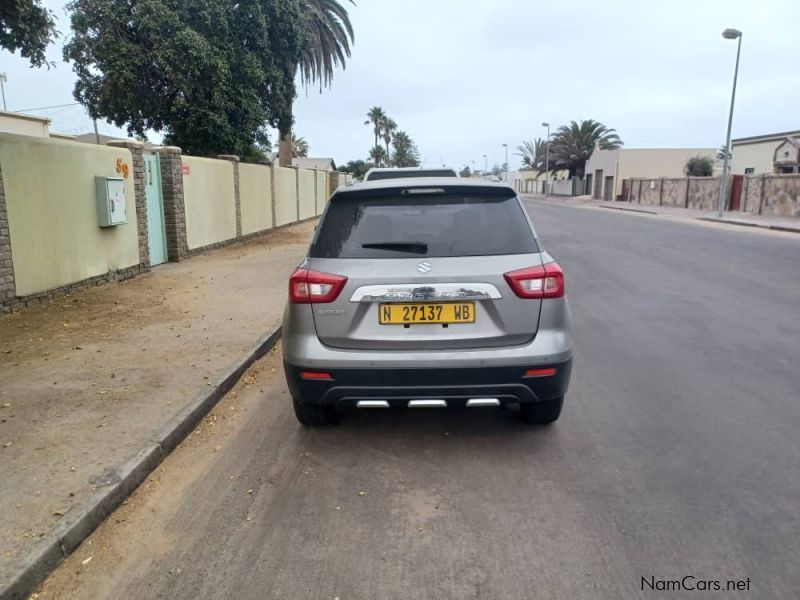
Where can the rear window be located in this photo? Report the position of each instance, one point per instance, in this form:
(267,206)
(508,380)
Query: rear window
(403,174)
(419,226)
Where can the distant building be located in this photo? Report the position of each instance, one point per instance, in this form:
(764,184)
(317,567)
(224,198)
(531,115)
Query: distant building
(606,170)
(770,153)
(22,124)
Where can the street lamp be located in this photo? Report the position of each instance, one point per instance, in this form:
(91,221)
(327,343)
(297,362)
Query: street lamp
(547,159)
(485,164)
(729,34)
(506,163)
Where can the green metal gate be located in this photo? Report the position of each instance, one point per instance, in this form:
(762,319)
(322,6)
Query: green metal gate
(156,231)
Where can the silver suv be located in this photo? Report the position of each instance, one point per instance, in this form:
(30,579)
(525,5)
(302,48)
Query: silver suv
(426,293)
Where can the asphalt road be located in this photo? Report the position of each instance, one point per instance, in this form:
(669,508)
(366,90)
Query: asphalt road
(678,454)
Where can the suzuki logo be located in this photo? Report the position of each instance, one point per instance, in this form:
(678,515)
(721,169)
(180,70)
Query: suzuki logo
(424,267)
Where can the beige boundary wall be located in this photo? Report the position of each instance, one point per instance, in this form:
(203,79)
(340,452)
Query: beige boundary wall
(49,189)
(50,238)
(255,191)
(210,201)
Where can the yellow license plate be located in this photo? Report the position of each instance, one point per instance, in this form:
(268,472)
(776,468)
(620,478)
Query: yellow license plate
(403,314)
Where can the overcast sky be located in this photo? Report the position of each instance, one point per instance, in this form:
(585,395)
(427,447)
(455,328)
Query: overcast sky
(462,77)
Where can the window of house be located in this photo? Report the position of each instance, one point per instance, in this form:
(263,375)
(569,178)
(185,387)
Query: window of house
(749,171)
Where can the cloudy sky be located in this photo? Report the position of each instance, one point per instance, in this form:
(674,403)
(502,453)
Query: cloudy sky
(462,77)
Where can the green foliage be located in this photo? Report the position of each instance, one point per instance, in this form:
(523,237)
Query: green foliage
(378,156)
(358,168)
(496,170)
(299,147)
(331,36)
(27,26)
(375,117)
(388,127)
(211,75)
(699,166)
(405,151)
(465,172)
(572,145)
(534,154)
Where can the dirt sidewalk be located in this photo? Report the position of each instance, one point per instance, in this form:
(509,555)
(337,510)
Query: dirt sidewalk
(89,379)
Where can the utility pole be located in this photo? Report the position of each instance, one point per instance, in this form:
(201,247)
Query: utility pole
(729,34)
(3,80)
(506,163)
(485,164)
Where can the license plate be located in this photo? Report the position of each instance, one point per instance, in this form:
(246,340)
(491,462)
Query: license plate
(402,314)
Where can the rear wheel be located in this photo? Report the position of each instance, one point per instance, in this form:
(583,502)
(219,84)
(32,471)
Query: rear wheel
(542,413)
(313,415)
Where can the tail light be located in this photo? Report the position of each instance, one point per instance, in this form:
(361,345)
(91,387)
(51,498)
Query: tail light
(307,287)
(545,281)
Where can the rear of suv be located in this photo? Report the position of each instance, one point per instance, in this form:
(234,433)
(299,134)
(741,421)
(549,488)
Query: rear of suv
(426,293)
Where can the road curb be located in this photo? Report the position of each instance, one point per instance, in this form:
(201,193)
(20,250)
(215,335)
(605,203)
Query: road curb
(62,541)
(635,210)
(748,224)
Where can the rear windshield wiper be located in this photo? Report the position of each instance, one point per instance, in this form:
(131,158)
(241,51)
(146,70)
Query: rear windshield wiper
(415,247)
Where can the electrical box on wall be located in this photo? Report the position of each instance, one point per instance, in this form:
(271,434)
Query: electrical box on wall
(111,201)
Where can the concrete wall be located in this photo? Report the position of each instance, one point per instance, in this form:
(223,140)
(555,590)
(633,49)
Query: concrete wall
(208,195)
(24,124)
(285,195)
(774,195)
(52,212)
(691,192)
(255,197)
(652,163)
(322,191)
(758,156)
(307,195)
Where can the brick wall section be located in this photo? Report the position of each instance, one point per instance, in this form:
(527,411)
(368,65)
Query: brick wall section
(781,195)
(7,290)
(174,209)
(236,197)
(137,153)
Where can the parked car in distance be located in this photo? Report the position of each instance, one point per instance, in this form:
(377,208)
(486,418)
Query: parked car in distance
(426,293)
(402,172)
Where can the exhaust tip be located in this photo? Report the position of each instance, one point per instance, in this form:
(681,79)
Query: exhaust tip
(476,402)
(372,404)
(427,404)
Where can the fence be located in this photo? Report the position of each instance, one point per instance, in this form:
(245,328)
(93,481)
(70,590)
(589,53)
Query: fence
(558,187)
(50,238)
(776,195)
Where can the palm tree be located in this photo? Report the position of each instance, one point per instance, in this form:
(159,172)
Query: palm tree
(405,151)
(572,145)
(299,147)
(331,36)
(534,154)
(378,155)
(375,117)
(388,127)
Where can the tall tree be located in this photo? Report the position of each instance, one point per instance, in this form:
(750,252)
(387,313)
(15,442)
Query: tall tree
(378,156)
(405,151)
(375,117)
(533,154)
(27,26)
(331,34)
(572,145)
(299,147)
(388,127)
(211,75)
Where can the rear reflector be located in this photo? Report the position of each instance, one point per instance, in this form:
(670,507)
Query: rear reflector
(313,287)
(545,281)
(316,375)
(540,372)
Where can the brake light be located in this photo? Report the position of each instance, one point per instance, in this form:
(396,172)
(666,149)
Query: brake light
(547,372)
(545,281)
(307,287)
(316,375)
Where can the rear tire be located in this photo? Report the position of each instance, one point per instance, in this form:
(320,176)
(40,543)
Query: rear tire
(542,413)
(313,415)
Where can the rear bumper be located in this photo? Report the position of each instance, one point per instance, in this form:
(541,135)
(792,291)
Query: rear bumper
(455,385)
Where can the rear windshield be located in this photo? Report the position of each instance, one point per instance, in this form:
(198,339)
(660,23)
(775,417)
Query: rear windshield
(418,226)
(403,174)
